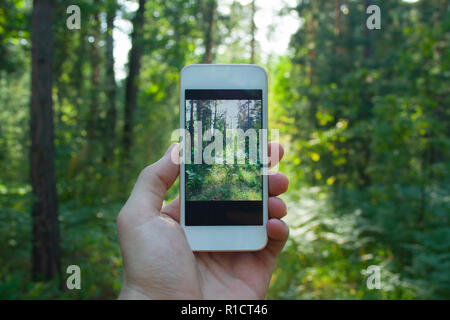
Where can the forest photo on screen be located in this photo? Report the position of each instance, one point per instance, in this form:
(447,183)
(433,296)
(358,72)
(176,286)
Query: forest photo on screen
(222,179)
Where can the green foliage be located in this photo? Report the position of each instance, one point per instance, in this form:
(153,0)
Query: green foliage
(367,119)
(223,182)
(88,240)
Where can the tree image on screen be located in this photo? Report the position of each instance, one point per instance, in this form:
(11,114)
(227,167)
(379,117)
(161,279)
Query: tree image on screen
(224,179)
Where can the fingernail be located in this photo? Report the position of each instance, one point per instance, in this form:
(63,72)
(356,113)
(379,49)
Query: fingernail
(170,148)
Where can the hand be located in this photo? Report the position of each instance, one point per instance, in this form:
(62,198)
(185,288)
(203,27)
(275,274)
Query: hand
(158,262)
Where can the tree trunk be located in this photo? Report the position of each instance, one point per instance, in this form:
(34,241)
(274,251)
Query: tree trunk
(199,136)
(215,118)
(252,33)
(310,67)
(337,17)
(191,124)
(111,113)
(92,123)
(248,114)
(209,32)
(77,74)
(46,251)
(225,128)
(133,75)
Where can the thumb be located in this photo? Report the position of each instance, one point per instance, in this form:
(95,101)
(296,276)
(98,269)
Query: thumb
(154,181)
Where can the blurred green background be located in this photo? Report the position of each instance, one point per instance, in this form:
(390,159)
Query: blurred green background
(363,116)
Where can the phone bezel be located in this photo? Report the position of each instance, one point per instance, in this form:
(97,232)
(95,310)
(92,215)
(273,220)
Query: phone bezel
(224,76)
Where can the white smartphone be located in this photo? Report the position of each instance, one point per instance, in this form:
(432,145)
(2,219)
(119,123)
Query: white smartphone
(223,191)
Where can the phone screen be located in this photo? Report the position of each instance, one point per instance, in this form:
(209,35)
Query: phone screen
(223,159)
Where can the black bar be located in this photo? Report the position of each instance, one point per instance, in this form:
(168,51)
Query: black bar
(175,309)
(224,213)
(200,94)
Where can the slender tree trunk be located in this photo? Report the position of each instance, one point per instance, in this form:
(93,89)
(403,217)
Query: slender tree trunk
(252,33)
(191,124)
(46,251)
(337,49)
(337,17)
(210,20)
(77,74)
(133,75)
(111,113)
(225,128)
(92,123)
(365,113)
(215,118)
(337,28)
(200,136)
(310,67)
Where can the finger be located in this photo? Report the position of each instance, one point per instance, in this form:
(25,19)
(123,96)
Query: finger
(278,233)
(275,153)
(278,184)
(154,181)
(277,208)
(172,209)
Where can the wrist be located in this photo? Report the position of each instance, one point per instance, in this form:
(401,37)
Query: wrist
(130,293)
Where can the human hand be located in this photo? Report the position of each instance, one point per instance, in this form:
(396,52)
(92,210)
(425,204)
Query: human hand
(158,262)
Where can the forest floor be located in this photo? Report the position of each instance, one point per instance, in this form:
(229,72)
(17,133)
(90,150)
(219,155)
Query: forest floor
(224,182)
(323,258)
(326,257)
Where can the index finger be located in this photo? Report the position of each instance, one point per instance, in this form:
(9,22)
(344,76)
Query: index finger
(275,153)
